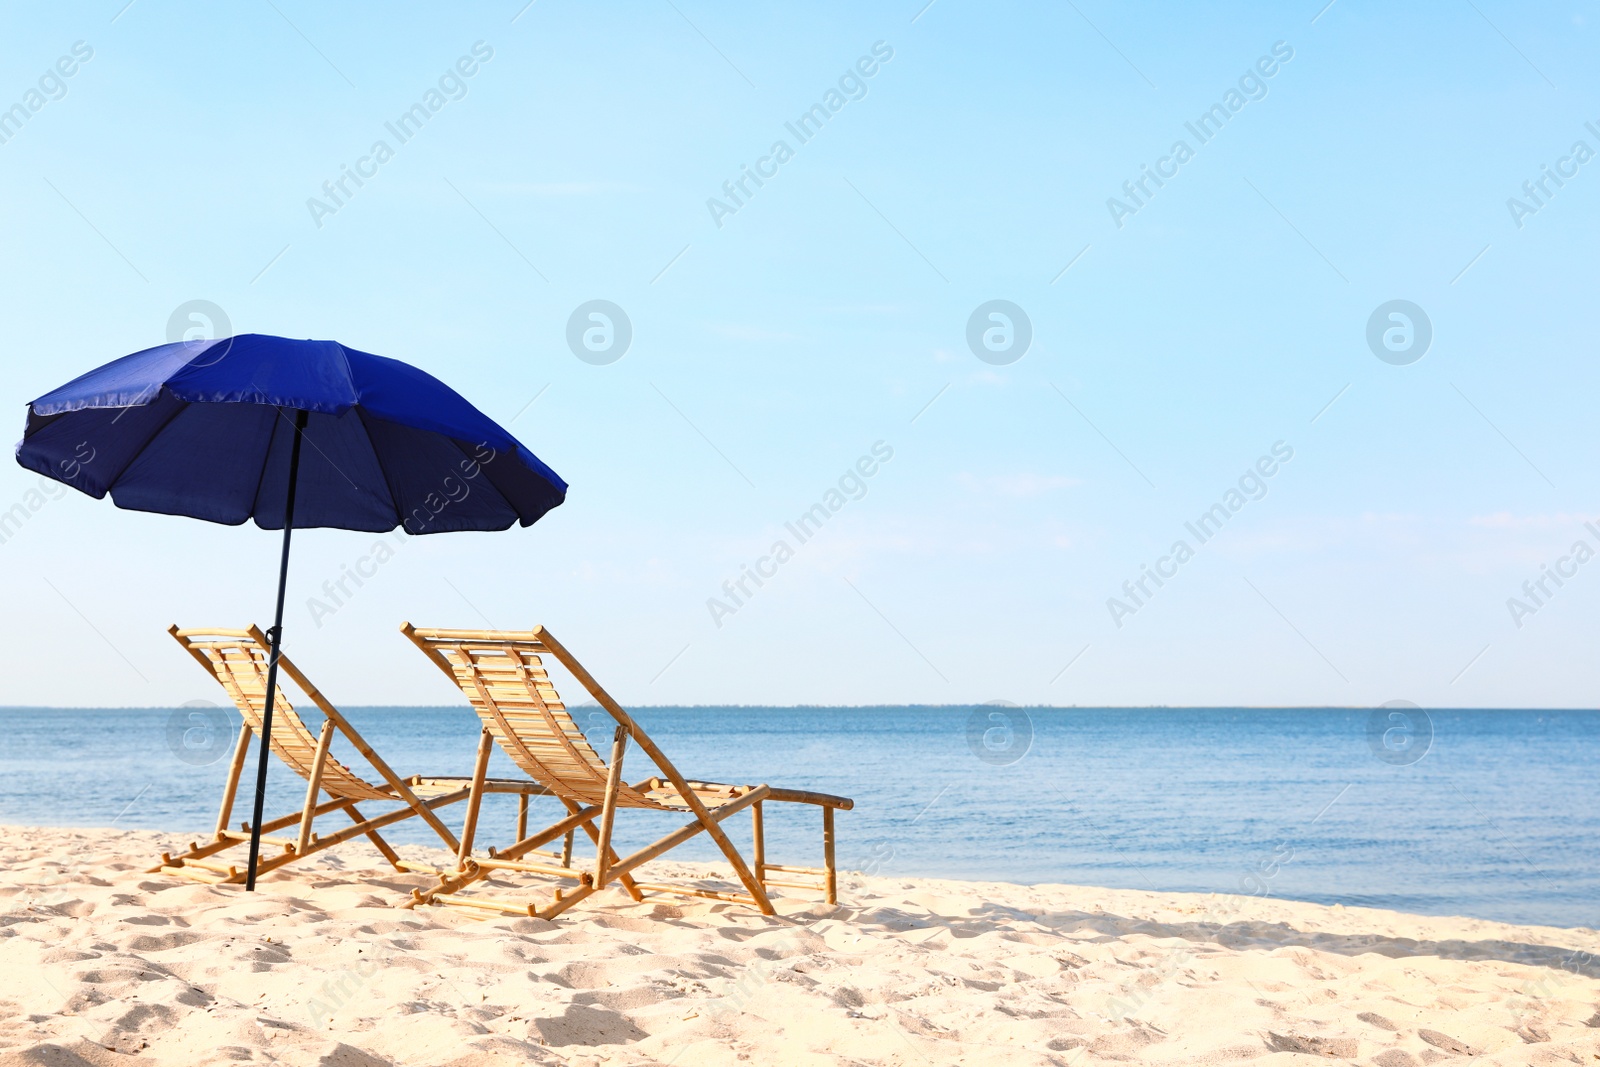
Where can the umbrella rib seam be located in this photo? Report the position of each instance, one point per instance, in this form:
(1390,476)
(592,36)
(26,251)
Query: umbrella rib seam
(394,497)
(266,460)
(183,405)
(515,511)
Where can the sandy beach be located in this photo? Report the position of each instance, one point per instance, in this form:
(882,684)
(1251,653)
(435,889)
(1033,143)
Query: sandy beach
(102,964)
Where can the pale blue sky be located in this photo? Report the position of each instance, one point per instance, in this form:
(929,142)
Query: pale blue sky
(771,352)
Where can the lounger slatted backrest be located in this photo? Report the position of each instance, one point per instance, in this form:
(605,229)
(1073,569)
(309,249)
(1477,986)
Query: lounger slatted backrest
(238,659)
(504,677)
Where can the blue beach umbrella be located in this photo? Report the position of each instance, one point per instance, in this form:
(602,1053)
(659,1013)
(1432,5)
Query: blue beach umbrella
(290,434)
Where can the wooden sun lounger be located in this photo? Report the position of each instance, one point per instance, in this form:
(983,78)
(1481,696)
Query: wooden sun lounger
(502,675)
(238,660)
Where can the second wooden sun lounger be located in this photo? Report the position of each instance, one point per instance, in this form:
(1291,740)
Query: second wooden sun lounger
(502,673)
(238,659)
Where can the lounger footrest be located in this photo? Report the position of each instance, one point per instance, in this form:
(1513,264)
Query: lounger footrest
(819,887)
(818,871)
(691,891)
(485,904)
(192,874)
(533,868)
(229,869)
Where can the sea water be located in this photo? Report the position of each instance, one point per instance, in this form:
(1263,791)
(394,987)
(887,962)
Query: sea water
(1486,813)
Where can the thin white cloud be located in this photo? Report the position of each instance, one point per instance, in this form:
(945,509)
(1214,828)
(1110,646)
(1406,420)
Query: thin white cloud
(1017,485)
(1504,520)
(553,189)
(739,332)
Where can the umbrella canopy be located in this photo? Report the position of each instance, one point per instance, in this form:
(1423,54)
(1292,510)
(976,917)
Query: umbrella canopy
(290,434)
(205,429)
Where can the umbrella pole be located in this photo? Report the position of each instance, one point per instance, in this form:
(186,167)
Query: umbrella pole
(275,639)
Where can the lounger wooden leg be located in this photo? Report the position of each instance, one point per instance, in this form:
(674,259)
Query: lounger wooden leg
(363,826)
(608,813)
(366,827)
(372,835)
(756,890)
(685,832)
(450,883)
(402,791)
(567,900)
(480,769)
(241,749)
(273,825)
(644,855)
(313,784)
(759,834)
(566,849)
(522,816)
(831,881)
(575,816)
(226,839)
(594,835)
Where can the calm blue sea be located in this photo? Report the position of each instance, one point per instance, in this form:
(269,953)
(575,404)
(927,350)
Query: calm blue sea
(1487,813)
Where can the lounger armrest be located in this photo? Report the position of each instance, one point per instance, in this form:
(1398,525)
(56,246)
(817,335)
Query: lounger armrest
(422,783)
(804,796)
(726,792)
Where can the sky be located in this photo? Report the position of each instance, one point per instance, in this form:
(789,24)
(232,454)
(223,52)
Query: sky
(1337,321)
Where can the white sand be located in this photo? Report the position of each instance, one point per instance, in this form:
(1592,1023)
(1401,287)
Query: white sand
(99,961)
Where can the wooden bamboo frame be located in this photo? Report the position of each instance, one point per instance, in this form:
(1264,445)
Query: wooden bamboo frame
(237,660)
(501,673)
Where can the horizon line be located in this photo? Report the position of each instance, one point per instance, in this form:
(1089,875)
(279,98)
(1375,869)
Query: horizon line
(843,707)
